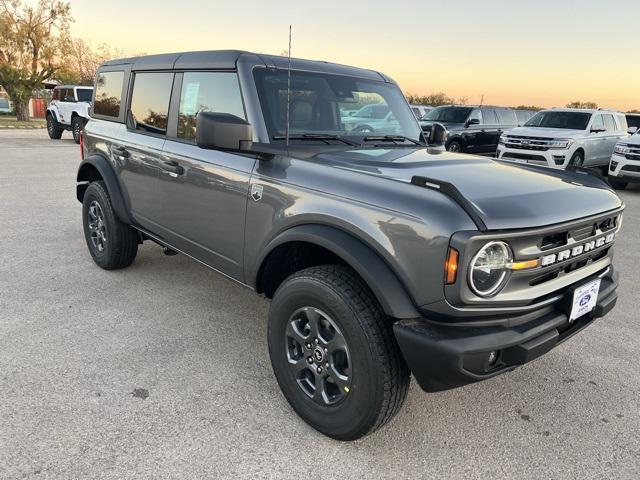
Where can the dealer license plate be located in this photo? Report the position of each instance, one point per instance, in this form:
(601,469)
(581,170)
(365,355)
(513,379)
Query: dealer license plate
(584,299)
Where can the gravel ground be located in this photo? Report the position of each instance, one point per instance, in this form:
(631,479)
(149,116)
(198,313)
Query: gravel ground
(161,370)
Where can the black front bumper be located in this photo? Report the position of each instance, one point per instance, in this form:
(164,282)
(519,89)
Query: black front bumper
(442,356)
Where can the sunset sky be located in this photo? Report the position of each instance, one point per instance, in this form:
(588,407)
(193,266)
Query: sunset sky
(540,52)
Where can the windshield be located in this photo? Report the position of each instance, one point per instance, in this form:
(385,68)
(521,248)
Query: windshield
(84,94)
(326,104)
(448,114)
(568,120)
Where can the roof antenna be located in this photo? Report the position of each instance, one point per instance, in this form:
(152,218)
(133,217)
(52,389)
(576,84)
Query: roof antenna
(286,135)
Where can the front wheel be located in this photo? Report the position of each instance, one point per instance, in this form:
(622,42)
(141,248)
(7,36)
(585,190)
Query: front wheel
(617,184)
(454,146)
(577,160)
(334,354)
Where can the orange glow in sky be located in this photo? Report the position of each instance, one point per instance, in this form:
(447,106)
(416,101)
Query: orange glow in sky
(532,52)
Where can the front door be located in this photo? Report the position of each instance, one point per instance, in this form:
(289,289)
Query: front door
(205,192)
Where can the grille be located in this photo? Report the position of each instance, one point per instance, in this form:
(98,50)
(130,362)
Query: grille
(527,143)
(525,156)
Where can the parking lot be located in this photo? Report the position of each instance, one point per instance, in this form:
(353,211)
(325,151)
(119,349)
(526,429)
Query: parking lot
(161,370)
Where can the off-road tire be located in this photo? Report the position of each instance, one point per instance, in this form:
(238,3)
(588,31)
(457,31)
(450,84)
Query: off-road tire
(53,128)
(379,375)
(120,244)
(77,124)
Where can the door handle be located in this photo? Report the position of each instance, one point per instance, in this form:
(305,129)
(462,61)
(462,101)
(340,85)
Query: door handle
(172,167)
(121,152)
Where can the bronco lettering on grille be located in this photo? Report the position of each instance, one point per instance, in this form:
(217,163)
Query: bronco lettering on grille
(577,250)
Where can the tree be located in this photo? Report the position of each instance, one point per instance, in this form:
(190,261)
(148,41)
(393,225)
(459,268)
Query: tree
(527,107)
(433,99)
(32,42)
(578,104)
(81,62)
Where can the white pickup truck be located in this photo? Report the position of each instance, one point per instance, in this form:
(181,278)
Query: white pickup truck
(68,110)
(561,137)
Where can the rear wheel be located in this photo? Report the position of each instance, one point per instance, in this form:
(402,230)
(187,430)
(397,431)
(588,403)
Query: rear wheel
(77,124)
(112,244)
(53,128)
(334,354)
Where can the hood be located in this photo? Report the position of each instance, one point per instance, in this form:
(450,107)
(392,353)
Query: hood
(506,195)
(632,140)
(542,132)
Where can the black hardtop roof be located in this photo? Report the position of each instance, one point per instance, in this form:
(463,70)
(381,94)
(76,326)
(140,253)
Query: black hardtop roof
(228,59)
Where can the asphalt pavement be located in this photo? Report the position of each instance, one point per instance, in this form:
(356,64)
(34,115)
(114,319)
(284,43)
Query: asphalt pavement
(161,370)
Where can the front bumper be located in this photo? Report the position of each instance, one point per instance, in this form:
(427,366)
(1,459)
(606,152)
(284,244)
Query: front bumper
(625,169)
(443,355)
(554,158)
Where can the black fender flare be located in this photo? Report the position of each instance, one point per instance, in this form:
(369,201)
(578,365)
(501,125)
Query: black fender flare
(104,168)
(53,114)
(376,273)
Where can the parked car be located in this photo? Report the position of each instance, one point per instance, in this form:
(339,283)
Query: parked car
(420,110)
(381,256)
(633,122)
(471,129)
(68,110)
(624,167)
(561,137)
(5,105)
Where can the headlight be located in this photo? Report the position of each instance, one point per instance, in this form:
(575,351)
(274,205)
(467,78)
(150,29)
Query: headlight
(561,143)
(502,140)
(489,268)
(621,149)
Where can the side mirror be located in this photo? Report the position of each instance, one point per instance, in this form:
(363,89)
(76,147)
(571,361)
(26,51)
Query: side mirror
(632,130)
(597,130)
(438,134)
(471,121)
(223,131)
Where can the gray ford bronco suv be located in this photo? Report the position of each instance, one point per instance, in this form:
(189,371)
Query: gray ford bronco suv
(382,255)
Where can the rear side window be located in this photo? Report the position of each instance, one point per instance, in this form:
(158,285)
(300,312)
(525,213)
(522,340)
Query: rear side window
(207,92)
(507,117)
(610,123)
(598,123)
(56,94)
(150,102)
(108,94)
(84,94)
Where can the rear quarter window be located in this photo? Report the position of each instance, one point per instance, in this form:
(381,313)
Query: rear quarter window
(108,98)
(507,117)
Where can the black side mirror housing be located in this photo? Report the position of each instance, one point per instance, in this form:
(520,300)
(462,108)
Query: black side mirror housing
(471,121)
(438,134)
(223,131)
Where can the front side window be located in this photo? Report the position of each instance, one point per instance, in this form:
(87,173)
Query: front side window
(56,94)
(567,120)
(150,102)
(84,94)
(633,121)
(108,93)
(448,114)
(327,104)
(207,92)
(475,115)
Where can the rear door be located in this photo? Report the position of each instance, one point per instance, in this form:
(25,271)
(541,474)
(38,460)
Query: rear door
(204,192)
(597,142)
(488,136)
(139,147)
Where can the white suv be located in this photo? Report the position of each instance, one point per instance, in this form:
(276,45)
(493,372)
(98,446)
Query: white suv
(68,110)
(625,162)
(561,137)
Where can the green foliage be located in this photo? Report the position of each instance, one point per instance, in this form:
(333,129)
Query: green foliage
(527,107)
(32,42)
(433,99)
(585,105)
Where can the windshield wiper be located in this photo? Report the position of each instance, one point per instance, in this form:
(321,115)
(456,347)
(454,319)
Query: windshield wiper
(316,136)
(390,138)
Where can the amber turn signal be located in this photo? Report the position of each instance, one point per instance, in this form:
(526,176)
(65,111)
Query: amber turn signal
(524,265)
(451,267)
